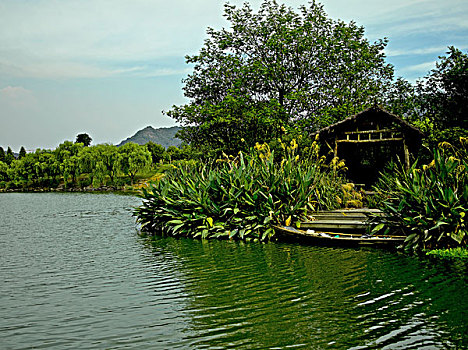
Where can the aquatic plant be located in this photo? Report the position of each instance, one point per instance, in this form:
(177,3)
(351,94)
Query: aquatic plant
(459,253)
(428,203)
(239,197)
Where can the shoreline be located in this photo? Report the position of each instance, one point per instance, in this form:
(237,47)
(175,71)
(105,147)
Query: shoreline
(89,189)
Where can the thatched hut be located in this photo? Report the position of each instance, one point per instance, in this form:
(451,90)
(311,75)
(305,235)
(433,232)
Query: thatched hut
(368,140)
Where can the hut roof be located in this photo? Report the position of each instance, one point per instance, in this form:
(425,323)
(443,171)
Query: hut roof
(374,112)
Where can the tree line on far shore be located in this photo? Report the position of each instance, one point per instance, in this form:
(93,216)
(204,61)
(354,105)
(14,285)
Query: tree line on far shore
(78,165)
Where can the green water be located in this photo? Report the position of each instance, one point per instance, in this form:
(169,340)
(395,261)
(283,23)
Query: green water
(76,275)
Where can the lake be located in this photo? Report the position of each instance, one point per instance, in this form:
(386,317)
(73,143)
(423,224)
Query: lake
(75,274)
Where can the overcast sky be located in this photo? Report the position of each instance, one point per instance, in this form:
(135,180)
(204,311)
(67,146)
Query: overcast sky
(109,67)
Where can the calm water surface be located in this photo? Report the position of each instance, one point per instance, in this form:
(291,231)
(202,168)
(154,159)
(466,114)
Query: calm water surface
(76,275)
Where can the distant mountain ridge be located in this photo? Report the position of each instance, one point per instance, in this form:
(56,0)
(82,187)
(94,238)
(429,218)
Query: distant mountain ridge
(162,136)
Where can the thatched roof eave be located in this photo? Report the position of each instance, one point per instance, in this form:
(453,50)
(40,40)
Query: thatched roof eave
(331,129)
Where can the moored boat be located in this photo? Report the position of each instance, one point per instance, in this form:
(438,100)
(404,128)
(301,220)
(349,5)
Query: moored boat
(337,238)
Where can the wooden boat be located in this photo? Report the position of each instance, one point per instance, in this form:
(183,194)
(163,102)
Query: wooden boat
(336,238)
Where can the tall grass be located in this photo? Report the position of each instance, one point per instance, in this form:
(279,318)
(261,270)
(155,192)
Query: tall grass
(428,203)
(239,198)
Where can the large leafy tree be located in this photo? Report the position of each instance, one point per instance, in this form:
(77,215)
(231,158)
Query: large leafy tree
(445,90)
(85,139)
(22,153)
(314,69)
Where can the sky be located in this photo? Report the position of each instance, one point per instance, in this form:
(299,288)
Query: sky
(109,68)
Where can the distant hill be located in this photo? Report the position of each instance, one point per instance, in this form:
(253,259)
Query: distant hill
(162,136)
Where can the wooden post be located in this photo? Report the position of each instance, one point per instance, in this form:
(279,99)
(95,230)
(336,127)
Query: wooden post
(406,151)
(335,151)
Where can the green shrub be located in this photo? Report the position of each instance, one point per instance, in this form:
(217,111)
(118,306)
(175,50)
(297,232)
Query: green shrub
(238,198)
(428,203)
(459,253)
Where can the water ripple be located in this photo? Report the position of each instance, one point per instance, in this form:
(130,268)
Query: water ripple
(75,275)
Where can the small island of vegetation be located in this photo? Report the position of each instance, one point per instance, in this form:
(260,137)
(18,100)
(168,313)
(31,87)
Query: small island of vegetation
(261,88)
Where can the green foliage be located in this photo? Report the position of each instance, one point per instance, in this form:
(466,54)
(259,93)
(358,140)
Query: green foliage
(458,253)
(237,198)
(157,152)
(2,154)
(9,157)
(234,124)
(429,203)
(110,161)
(67,155)
(22,153)
(133,158)
(444,91)
(40,168)
(3,171)
(76,165)
(274,68)
(402,99)
(85,139)
(435,135)
(174,153)
(190,152)
(437,103)
(88,159)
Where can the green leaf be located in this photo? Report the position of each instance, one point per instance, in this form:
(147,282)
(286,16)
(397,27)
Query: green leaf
(378,228)
(173,222)
(458,237)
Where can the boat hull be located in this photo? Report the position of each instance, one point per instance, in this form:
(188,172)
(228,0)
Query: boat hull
(339,239)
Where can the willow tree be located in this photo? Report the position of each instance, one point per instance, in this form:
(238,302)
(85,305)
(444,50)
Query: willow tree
(293,67)
(133,159)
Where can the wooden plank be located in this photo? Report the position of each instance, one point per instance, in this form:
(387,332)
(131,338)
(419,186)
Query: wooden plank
(368,131)
(350,217)
(353,210)
(334,225)
(376,140)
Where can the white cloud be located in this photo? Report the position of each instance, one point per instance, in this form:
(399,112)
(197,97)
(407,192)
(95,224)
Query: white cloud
(16,97)
(15,92)
(82,35)
(415,51)
(101,38)
(421,67)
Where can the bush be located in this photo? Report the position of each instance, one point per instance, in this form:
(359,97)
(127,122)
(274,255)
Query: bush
(238,198)
(428,203)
